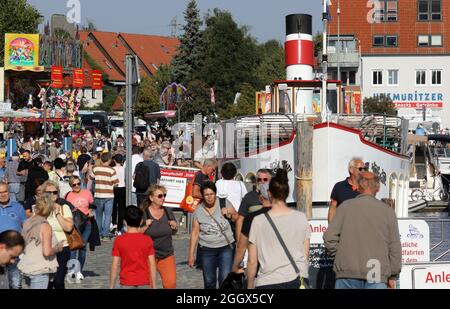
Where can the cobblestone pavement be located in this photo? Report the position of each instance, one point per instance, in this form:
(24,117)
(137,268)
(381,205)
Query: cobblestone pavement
(98,263)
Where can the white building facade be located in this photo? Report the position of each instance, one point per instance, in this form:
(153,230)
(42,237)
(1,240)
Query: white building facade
(417,85)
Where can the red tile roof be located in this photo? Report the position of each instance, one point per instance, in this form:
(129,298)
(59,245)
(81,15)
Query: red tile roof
(94,42)
(109,49)
(152,50)
(118,103)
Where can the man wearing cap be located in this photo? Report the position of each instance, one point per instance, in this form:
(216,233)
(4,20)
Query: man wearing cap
(365,241)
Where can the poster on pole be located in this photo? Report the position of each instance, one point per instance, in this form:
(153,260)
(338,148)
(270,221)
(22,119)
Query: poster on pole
(175,182)
(97,79)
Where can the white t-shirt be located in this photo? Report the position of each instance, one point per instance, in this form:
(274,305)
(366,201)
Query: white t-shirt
(233,190)
(135,159)
(120,171)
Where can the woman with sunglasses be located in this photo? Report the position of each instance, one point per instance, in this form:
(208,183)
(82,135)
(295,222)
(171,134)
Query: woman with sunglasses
(61,220)
(213,232)
(81,199)
(160,225)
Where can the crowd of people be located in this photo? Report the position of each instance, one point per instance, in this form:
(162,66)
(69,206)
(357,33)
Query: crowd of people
(44,197)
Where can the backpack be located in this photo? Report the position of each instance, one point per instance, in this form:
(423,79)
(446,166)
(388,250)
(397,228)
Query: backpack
(141,177)
(64,186)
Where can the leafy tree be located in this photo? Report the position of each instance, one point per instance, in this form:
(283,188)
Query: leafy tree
(271,65)
(61,34)
(17,16)
(379,105)
(230,57)
(318,43)
(189,57)
(150,90)
(245,104)
(198,101)
(148,98)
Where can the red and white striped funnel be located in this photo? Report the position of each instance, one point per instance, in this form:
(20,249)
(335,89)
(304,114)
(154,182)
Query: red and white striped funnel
(299,55)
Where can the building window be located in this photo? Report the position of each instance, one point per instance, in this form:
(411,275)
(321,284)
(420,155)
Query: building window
(429,10)
(94,94)
(393,77)
(378,40)
(436,40)
(436,77)
(423,40)
(391,41)
(352,78)
(377,77)
(386,11)
(421,77)
(392,10)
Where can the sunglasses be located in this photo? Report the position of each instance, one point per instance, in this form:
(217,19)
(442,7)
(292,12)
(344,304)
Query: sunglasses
(362,169)
(52,192)
(76,184)
(263,179)
(161,195)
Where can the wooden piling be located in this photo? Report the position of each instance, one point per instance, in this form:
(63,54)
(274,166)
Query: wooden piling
(303,172)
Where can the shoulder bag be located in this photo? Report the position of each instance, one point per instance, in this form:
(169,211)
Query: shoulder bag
(303,281)
(74,238)
(220,228)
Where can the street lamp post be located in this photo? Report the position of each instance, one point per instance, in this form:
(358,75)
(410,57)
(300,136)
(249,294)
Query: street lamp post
(338,50)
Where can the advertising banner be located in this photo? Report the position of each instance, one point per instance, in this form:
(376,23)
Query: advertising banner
(78,78)
(175,181)
(57,77)
(97,79)
(22,52)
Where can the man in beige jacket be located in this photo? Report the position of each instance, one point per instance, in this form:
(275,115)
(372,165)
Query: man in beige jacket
(365,240)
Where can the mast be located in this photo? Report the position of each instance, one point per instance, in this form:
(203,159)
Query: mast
(324,105)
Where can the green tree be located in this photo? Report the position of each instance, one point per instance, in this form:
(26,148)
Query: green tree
(189,57)
(230,57)
(318,44)
(17,16)
(198,101)
(379,105)
(271,64)
(150,90)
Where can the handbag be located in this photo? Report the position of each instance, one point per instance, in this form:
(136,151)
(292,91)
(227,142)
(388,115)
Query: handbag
(74,238)
(190,203)
(304,284)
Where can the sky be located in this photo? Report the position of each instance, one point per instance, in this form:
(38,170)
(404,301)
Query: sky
(265,18)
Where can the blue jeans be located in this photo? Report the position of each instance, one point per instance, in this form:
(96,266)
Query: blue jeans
(358,284)
(104,205)
(39,282)
(213,258)
(14,276)
(82,252)
(14,189)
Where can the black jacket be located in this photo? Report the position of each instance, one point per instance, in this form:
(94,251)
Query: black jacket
(94,238)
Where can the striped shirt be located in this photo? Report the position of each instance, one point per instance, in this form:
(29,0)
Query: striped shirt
(105,180)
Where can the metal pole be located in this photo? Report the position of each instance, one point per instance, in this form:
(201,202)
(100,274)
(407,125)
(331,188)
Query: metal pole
(128,126)
(44,97)
(338,40)
(324,107)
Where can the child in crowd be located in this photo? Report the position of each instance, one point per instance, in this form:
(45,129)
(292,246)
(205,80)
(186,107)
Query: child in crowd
(135,253)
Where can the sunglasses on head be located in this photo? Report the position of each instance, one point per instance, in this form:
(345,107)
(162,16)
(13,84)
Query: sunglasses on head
(52,192)
(263,179)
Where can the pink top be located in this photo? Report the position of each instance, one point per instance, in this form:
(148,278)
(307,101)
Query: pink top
(81,200)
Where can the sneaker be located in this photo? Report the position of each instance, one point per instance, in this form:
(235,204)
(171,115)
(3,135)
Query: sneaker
(79,276)
(105,238)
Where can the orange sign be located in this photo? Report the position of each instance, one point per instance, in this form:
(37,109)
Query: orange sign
(78,78)
(57,77)
(97,81)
